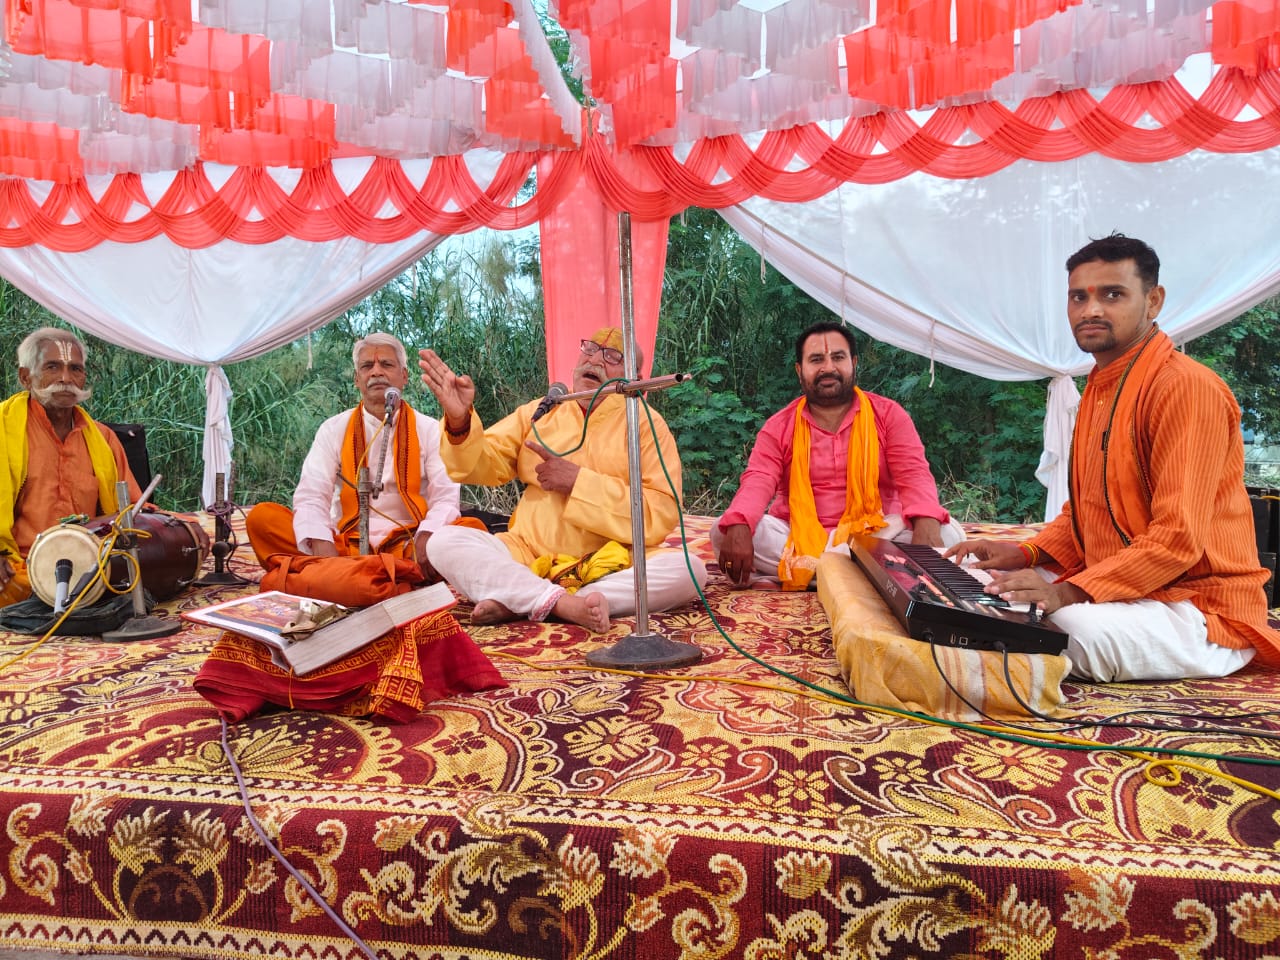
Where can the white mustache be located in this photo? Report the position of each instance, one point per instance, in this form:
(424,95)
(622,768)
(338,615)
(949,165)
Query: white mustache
(46,394)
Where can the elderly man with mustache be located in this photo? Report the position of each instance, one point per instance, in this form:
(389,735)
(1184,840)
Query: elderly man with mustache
(417,496)
(58,461)
(568,552)
(834,462)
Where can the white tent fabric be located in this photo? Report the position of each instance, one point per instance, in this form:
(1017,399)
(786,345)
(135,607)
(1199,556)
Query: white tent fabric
(219,304)
(970,273)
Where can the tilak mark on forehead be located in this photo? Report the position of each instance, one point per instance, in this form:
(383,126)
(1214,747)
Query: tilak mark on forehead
(608,337)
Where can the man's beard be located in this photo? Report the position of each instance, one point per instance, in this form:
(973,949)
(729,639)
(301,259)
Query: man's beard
(45,395)
(837,398)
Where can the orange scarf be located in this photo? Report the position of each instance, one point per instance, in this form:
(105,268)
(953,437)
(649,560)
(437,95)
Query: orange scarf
(863,510)
(408,479)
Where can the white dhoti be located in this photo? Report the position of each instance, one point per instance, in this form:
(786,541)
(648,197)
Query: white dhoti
(1143,640)
(480,566)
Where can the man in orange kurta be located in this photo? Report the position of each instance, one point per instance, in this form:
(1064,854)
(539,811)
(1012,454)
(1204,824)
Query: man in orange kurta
(57,461)
(1157,568)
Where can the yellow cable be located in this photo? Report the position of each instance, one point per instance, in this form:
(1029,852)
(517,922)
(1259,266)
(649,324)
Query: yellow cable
(106,553)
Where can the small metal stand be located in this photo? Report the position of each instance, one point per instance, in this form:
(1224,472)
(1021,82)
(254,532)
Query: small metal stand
(222,547)
(140,626)
(364,492)
(642,650)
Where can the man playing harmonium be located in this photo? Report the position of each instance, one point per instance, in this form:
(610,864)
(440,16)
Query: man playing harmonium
(834,462)
(58,461)
(1151,566)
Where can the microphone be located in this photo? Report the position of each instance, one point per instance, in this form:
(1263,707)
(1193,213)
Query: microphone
(392,401)
(554,395)
(62,581)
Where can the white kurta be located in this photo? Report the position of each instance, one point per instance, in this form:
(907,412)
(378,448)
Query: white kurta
(317,509)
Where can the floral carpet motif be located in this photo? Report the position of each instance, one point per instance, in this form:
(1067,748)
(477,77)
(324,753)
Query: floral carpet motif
(744,807)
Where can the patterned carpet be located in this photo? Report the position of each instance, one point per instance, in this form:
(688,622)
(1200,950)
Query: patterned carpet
(727,810)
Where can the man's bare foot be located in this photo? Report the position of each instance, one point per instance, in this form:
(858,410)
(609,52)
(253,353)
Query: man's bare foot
(590,611)
(491,611)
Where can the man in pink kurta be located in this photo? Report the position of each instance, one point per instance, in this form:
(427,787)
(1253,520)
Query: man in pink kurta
(750,536)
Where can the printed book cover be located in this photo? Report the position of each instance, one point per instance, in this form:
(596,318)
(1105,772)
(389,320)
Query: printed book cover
(263,616)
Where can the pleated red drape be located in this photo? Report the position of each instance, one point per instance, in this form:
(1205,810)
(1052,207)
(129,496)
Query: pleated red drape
(581,275)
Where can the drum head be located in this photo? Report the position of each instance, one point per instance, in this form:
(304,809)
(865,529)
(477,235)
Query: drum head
(64,542)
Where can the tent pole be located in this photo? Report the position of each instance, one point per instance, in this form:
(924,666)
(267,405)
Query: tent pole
(642,649)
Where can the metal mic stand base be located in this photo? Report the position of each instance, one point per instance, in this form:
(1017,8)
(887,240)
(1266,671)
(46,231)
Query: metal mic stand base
(218,578)
(143,628)
(645,652)
(219,575)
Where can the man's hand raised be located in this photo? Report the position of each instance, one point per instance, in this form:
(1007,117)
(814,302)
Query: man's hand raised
(554,473)
(455,393)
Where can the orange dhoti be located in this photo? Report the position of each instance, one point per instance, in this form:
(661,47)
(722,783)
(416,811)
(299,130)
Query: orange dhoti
(270,530)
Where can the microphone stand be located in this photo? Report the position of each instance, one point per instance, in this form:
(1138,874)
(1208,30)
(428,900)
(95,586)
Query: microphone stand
(642,650)
(367,488)
(364,488)
(140,626)
(628,388)
(222,547)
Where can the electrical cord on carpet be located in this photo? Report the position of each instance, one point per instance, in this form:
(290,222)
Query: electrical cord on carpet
(1106,722)
(1008,732)
(276,852)
(1000,731)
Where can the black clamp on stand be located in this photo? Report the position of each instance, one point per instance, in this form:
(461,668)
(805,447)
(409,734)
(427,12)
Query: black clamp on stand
(223,542)
(140,626)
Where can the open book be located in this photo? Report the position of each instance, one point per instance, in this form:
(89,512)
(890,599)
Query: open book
(264,615)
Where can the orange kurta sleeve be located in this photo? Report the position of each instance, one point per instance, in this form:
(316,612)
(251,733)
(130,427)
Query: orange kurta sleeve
(60,479)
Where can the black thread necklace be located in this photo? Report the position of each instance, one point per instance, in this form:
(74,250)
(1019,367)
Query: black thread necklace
(1106,452)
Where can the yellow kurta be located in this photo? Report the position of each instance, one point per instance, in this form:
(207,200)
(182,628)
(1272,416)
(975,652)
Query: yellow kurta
(599,509)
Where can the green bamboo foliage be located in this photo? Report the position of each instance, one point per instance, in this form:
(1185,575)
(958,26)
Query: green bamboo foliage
(725,319)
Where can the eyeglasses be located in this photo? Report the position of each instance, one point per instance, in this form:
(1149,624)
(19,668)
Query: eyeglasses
(591,348)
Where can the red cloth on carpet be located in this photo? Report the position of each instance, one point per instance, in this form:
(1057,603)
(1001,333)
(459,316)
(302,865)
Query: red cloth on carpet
(394,677)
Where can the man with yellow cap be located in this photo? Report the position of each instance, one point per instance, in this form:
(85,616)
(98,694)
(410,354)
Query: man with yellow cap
(57,460)
(566,553)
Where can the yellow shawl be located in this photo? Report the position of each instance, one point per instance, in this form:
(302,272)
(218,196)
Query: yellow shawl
(863,510)
(13,471)
(574,573)
(408,479)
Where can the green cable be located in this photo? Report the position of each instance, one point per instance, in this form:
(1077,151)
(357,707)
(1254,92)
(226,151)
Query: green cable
(1029,740)
(956,724)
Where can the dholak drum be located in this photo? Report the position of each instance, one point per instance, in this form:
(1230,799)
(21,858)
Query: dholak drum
(171,553)
(170,557)
(68,541)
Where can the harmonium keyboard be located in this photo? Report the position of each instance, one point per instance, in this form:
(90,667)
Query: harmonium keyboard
(938,601)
